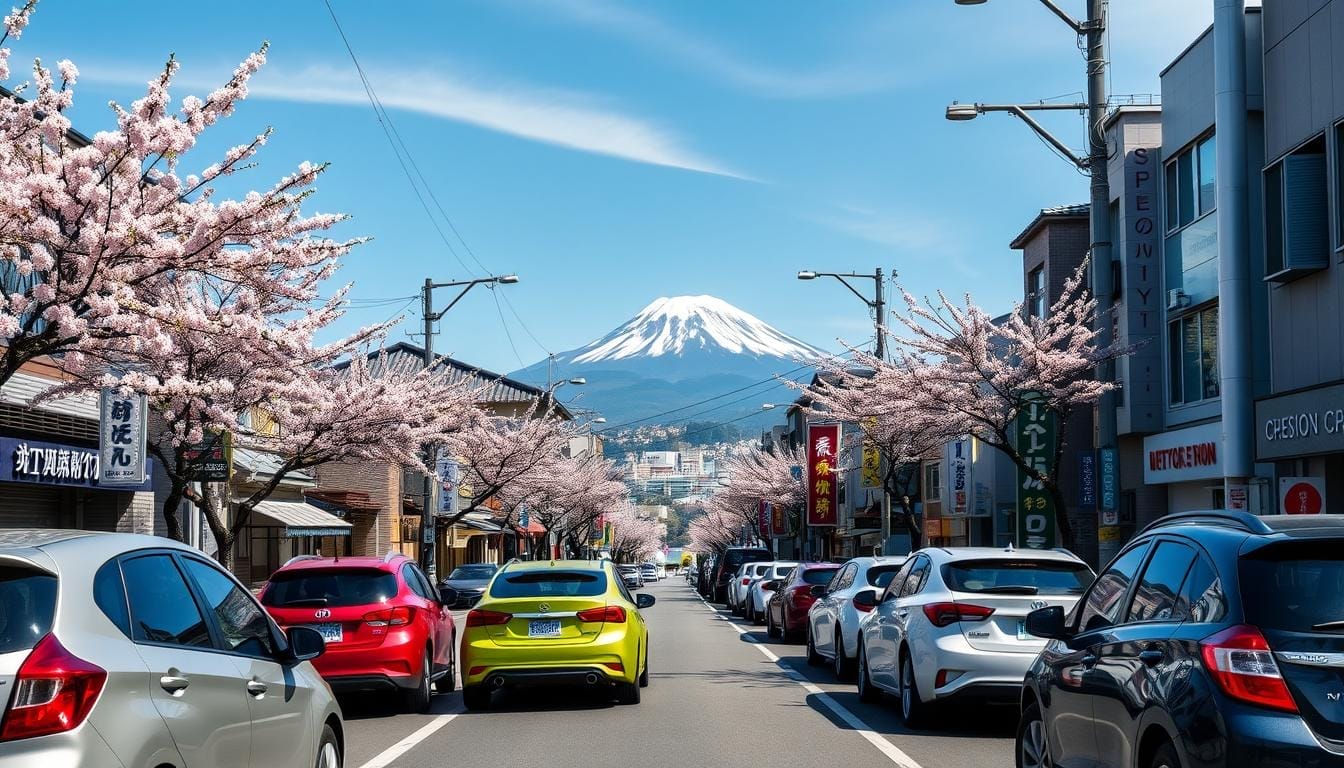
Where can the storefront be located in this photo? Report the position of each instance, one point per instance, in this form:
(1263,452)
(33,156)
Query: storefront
(1302,433)
(1189,462)
(55,485)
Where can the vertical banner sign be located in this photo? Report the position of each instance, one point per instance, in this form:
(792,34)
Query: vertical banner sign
(121,438)
(779,521)
(449,475)
(872,459)
(1110,486)
(1087,480)
(960,452)
(1035,430)
(763,519)
(823,491)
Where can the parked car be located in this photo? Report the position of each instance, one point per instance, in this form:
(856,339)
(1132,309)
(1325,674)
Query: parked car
(952,625)
(786,612)
(727,564)
(1213,639)
(650,572)
(468,583)
(386,628)
(761,589)
(121,649)
(631,576)
(833,620)
(741,582)
(556,622)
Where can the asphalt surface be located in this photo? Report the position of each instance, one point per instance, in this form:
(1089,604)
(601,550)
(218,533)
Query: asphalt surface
(720,694)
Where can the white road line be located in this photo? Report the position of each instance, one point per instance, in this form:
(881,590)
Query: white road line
(386,757)
(894,753)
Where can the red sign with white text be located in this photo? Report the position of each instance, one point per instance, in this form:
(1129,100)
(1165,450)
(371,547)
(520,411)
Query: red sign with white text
(763,519)
(823,482)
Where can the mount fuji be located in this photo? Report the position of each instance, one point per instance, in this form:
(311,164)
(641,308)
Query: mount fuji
(676,352)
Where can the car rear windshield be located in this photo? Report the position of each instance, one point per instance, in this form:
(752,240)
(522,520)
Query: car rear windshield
(736,557)
(27,606)
(469,572)
(881,575)
(550,584)
(1295,587)
(819,575)
(329,588)
(1018,577)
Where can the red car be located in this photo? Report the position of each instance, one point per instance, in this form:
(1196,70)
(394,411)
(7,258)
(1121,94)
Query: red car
(385,626)
(786,611)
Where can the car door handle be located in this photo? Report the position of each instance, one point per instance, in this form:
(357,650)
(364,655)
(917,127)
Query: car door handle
(256,687)
(903,613)
(173,683)
(1152,657)
(1088,661)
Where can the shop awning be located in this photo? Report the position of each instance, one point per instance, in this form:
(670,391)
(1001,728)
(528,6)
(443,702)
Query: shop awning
(299,519)
(477,524)
(533,528)
(862,532)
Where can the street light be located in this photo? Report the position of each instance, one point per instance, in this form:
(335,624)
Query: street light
(960,113)
(806,274)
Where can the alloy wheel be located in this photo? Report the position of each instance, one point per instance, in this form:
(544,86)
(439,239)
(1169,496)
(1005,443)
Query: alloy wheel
(327,757)
(907,684)
(1035,750)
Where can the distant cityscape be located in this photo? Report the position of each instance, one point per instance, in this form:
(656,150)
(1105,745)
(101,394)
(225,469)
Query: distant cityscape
(678,477)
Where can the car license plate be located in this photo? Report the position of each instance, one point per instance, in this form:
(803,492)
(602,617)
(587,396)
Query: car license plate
(544,628)
(1022,633)
(330,632)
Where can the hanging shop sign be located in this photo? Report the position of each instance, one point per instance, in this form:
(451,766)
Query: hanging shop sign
(122,426)
(210,460)
(823,487)
(1035,430)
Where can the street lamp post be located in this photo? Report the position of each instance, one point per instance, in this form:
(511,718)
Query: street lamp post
(431,317)
(878,305)
(1093,28)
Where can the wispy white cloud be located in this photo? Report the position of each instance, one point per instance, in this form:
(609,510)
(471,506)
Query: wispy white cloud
(549,116)
(697,51)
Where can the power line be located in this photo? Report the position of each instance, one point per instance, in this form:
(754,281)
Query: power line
(706,400)
(505,326)
(523,325)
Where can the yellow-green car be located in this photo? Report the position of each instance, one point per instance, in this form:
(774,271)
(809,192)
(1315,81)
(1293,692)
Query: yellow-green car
(558,622)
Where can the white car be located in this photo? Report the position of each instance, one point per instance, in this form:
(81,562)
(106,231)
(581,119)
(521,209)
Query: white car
(758,595)
(649,572)
(833,620)
(741,584)
(952,624)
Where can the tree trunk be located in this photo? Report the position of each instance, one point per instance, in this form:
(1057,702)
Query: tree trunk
(1062,523)
(215,508)
(171,522)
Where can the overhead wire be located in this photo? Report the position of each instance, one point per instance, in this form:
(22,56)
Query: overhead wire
(772,378)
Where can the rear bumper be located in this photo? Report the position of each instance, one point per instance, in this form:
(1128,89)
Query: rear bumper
(348,684)
(971,673)
(1257,737)
(397,658)
(613,654)
(544,676)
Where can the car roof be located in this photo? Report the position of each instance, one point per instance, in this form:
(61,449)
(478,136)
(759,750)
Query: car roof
(541,565)
(388,562)
(1266,527)
(949,554)
(69,542)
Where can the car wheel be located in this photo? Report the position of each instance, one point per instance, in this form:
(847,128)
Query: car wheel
(914,711)
(1165,757)
(418,698)
(867,691)
(644,676)
(1033,749)
(814,659)
(627,693)
(844,667)
(328,750)
(476,697)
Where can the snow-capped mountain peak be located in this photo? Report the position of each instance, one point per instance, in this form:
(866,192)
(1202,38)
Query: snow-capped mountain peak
(678,324)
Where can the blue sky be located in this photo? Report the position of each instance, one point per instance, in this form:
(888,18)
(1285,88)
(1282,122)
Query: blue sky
(610,153)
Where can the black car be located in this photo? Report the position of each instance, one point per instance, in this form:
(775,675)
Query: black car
(728,563)
(1213,639)
(469,581)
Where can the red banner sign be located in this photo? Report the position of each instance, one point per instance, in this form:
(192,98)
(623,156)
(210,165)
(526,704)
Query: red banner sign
(823,484)
(779,521)
(763,519)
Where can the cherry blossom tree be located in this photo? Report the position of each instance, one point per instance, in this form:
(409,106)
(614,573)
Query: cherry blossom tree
(503,458)
(634,538)
(715,530)
(568,497)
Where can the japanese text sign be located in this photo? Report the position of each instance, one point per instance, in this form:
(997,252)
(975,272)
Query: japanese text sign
(959,452)
(1035,431)
(779,521)
(872,459)
(121,438)
(823,482)
(763,519)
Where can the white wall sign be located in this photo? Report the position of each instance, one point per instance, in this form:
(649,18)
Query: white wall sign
(122,423)
(1195,453)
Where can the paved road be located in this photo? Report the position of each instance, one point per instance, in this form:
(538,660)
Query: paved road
(720,694)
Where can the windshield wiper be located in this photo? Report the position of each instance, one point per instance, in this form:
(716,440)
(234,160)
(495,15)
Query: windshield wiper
(317,601)
(1329,625)
(1010,590)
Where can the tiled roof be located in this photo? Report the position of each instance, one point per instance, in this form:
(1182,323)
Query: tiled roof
(267,464)
(1075,211)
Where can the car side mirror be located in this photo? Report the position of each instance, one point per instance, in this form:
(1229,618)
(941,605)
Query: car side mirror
(1048,623)
(305,643)
(448,596)
(866,598)
(644,600)
(818,590)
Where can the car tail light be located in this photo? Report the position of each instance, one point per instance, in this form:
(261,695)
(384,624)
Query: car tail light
(390,617)
(861,607)
(53,692)
(1240,661)
(943,614)
(745,582)
(481,618)
(612,614)
(800,594)
(614,666)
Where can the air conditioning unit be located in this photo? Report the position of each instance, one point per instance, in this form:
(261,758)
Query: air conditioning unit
(1177,299)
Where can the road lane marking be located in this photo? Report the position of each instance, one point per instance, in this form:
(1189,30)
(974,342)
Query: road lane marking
(386,757)
(893,753)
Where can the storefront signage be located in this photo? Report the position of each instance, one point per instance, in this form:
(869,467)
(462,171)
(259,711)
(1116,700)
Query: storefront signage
(1035,430)
(1301,495)
(959,467)
(1301,424)
(1194,453)
(1109,460)
(34,461)
(449,474)
(823,486)
(122,426)
(211,460)
(872,461)
(1087,480)
(763,519)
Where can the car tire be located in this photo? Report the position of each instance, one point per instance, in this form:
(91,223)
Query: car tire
(418,699)
(867,691)
(627,693)
(1165,757)
(1032,747)
(844,666)
(644,676)
(789,637)
(770,630)
(448,683)
(328,750)
(914,711)
(814,659)
(476,698)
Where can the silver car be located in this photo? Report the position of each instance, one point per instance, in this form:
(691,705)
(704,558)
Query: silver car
(120,649)
(833,621)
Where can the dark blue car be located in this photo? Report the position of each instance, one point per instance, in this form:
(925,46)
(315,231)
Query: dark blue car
(1213,639)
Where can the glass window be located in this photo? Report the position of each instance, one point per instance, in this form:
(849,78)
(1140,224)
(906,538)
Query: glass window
(818,575)
(1102,606)
(1173,211)
(898,580)
(1339,185)
(473,572)
(242,623)
(162,608)
(1274,261)
(27,607)
(413,581)
(1157,596)
(1193,350)
(914,581)
(933,481)
(1295,587)
(550,583)
(1017,577)
(329,588)
(1202,598)
(110,596)
(880,576)
(1036,293)
(844,578)
(1208,193)
(1185,187)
